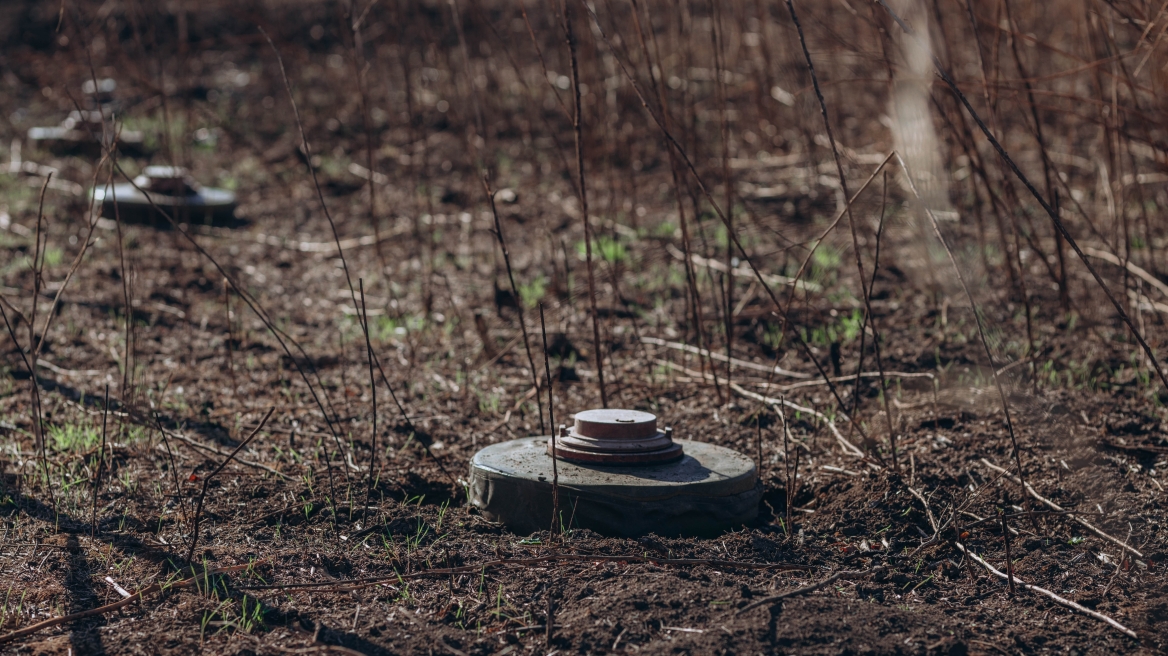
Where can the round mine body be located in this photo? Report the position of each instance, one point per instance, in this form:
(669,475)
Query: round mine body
(88,132)
(170,190)
(707,490)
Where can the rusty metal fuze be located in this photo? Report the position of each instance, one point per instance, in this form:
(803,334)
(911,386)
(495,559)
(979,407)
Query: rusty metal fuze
(616,437)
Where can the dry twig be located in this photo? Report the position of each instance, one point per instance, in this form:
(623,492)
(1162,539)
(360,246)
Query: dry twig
(807,589)
(1057,508)
(135,597)
(1043,591)
(207,481)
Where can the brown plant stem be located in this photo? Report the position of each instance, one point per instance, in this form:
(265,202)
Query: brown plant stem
(722,216)
(727,183)
(976,315)
(230,336)
(1009,558)
(765,601)
(360,67)
(207,481)
(518,299)
(582,187)
(691,278)
(100,462)
(865,289)
(173,470)
(373,395)
(1058,223)
(136,597)
(340,252)
(552,422)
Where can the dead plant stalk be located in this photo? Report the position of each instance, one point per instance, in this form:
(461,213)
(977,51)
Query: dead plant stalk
(555,430)
(1050,211)
(582,189)
(673,142)
(100,462)
(207,481)
(865,289)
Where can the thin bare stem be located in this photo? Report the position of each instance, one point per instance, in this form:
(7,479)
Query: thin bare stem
(976,315)
(35,392)
(173,470)
(373,395)
(577,127)
(865,289)
(721,216)
(360,67)
(518,298)
(336,237)
(723,110)
(773,599)
(230,335)
(281,337)
(207,481)
(100,462)
(1009,559)
(1050,211)
(552,421)
(691,277)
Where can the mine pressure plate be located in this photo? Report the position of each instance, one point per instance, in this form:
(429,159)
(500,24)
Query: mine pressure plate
(615,437)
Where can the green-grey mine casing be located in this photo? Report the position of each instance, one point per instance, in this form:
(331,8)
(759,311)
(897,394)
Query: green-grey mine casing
(710,490)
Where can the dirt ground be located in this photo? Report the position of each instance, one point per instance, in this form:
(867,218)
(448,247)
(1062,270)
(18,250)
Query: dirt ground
(346,538)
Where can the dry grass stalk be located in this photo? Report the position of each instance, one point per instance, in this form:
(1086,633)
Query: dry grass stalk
(373,402)
(100,462)
(207,481)
(1056,598)
(518,300)
(555,430)
(1050,211)
(807,589)
(582,189)
(978,321)
(138,596)
(865,289)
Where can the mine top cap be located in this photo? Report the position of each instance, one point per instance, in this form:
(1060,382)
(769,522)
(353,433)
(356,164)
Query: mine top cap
(104,85)
(616,437)
(171,180)
(95,117)
(102,92)
(614,424)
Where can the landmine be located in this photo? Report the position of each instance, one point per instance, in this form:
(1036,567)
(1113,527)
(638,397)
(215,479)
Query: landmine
(170,189)
(619,476)
(90,131)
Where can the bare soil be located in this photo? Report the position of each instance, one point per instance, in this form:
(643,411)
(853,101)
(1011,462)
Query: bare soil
(434,576)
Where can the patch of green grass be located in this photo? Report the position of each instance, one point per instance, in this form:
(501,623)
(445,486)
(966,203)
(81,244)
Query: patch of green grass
(664,229)
(74,437)
(610,250)
(531,293)
(490,403)
(846,330)
(825,264)
(384,329)
(21,197)
(773,336)
(53,256)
